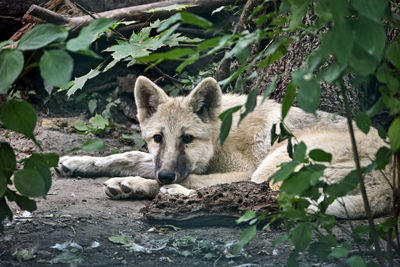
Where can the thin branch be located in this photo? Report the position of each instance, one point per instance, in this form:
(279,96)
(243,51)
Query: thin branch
(367,207)
(92,15)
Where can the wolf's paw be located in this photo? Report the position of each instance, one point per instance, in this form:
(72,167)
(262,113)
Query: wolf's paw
(175,189)
(72,166)
(131,187)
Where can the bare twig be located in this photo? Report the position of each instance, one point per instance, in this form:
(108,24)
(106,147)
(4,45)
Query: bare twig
(223,70)
(166,75)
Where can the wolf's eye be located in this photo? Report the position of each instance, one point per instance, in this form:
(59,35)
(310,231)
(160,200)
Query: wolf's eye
(157,138)
(187,138)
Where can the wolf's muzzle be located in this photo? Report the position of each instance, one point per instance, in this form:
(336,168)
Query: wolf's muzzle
(166,177)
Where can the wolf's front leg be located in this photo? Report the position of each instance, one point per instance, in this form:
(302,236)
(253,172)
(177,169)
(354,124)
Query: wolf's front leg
(133,163)
(140,188)
(131,187)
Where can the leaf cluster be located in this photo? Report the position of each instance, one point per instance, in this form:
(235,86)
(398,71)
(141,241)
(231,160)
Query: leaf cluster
(354,47)
(34,178)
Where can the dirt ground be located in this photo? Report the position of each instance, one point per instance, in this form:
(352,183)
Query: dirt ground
(77,225)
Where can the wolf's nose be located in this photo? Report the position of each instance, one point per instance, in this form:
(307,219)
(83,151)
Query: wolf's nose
(166,177)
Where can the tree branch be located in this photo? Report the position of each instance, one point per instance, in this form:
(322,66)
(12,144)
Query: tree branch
(139,13)
(367,207)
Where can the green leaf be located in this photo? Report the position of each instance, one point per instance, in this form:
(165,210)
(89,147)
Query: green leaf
(41,36)
(51,159)
(272,54)
(332,72)
(225,126)
(341,188)
(209,43)
(4,178)
(382,132)
(384,74)
(7,158)
(300,152)
(339,252)
(120,239)
(247,235)
(99,122)
(288,100)
(301,236)
(4,211)
(40,164)
(363,121)
(137,139)
(292,259)
(279,240)
(300,181)
(394,135)
(370,36)
(251,103)
(383,157)
(11,64)
(356,261)
(79,82)
(322,10)
(339,41)
(372,9)
(393,54)
(88,35)
(30,183)
(174,54)
(269,89)
(56,67)
(195,20)
(241,48)
(319,249)
(233,110)
(92,104)
(250,214)
(285,171)
(362,62)
(309,91)
(193,58)
(93,145)
(18,116)
(298,10)
(320,155)
(25,203)
(81,126)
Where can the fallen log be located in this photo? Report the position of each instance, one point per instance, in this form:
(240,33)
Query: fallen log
(218,205)
(137,13)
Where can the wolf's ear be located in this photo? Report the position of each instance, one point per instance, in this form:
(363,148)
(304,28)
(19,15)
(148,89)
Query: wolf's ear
(205,99)
(147,97)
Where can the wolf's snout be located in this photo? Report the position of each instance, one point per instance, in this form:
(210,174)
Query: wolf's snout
(166,177)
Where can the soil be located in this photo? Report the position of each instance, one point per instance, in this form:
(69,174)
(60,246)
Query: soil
(77,225)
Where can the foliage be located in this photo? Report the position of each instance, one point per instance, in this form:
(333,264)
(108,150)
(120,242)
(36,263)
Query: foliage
(96,125)
(31,175)
(34,179)
(140,47)
(354,47)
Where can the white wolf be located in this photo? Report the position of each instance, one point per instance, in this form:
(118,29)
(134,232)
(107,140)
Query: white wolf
(182,135)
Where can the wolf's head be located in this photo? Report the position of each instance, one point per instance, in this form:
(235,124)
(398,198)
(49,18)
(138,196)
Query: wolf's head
(181,132)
